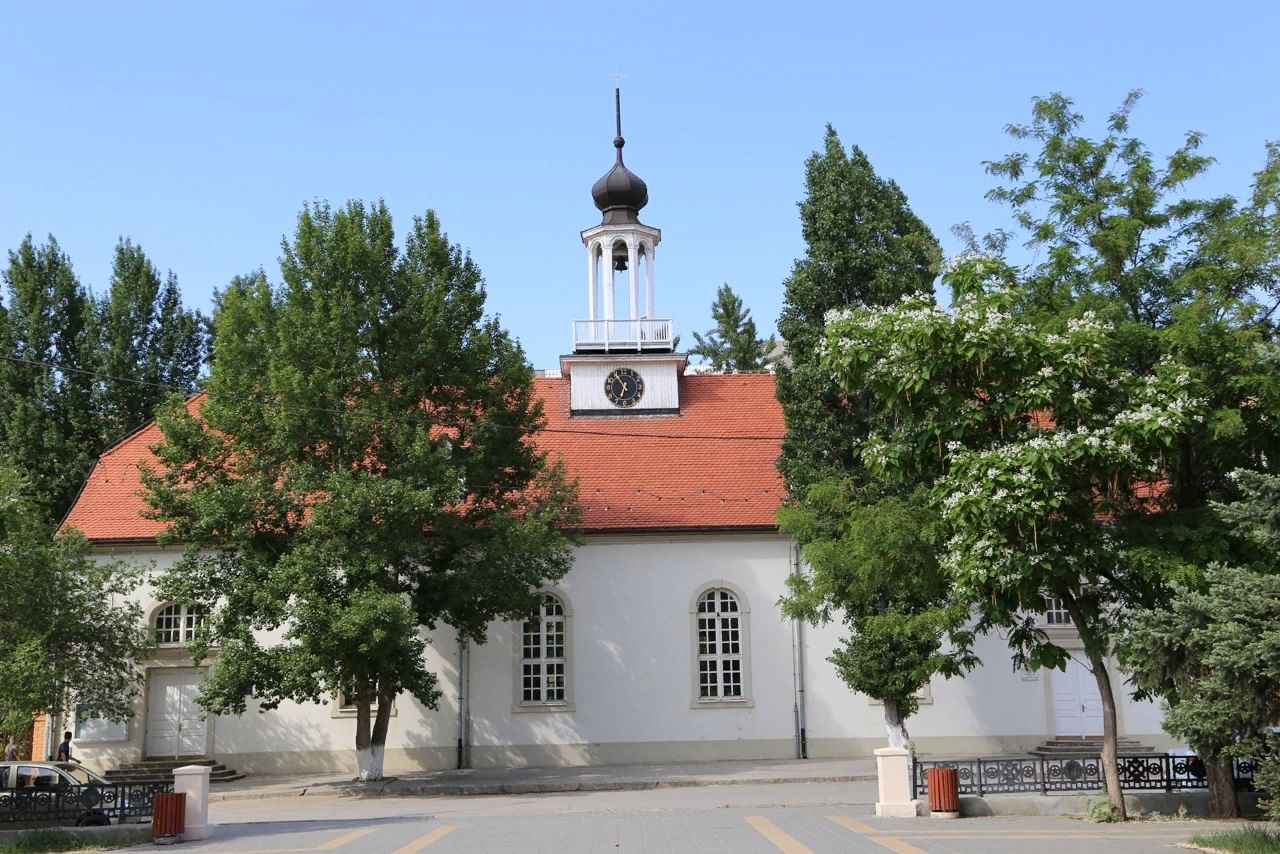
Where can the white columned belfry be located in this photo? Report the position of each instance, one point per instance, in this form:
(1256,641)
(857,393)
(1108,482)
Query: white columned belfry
(615,249)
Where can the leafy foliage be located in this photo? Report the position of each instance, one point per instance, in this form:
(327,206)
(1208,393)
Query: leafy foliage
(863,246)
(874,565)
(1214,655)
(150,346)
(870,547)
(65,635)
(48,424)
(733,346)
(1035,442)
(363,466)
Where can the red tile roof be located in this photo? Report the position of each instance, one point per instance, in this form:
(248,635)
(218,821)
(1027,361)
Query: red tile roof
(711,467)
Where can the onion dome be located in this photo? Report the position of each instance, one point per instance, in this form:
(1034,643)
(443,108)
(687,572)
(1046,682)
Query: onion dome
(621,193)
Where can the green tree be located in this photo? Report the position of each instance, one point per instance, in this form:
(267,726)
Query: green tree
(1213,654)
(48,426)
(363,467)
(863,246)
(1197,280)
(733,346)
(67,635)
(150,345)
(1035,441)
(1183,278)
(875,567)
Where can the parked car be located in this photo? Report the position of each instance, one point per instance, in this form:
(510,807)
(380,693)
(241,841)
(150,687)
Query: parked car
(58,791)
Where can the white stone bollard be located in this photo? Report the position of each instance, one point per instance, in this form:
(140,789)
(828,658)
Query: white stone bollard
(893,768)
(193,781)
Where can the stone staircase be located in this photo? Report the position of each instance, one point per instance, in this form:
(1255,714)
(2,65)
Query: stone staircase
(162,769)
(1088,746)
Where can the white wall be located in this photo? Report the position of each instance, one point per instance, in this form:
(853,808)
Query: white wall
(631,662)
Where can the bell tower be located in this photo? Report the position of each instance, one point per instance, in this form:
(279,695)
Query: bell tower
(623,360)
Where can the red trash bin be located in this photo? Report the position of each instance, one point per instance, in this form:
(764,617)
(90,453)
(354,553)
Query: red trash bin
(944,791)
(168,815)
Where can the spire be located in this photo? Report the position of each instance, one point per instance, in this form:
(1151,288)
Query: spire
(618,141)
(621,193)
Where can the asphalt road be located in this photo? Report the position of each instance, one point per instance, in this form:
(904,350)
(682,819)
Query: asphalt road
(789,818)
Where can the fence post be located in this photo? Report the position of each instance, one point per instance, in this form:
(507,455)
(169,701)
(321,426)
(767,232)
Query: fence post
(896,799)
(1044,776)
(193,781)
(980,778)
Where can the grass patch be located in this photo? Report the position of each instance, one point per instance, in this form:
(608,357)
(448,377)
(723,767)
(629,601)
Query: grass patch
(48,841)
(1250,840)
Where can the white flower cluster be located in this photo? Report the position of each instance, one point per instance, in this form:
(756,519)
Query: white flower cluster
(979,259)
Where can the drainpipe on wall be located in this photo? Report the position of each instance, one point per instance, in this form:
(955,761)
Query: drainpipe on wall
(464,703)
(797,666)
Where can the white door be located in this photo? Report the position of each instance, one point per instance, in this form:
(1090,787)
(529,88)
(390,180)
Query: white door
(1077,705)
(174,723)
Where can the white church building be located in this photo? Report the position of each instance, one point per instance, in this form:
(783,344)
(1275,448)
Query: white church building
(664,643)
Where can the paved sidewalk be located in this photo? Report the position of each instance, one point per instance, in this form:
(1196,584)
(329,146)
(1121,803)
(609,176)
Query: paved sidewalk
(524,781)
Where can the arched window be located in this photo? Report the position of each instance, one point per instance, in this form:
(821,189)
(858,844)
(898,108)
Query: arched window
(720,623)
(543,675)
(176,624)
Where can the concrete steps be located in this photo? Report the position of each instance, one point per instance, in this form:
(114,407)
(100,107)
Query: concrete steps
(1089,747)
(162,769)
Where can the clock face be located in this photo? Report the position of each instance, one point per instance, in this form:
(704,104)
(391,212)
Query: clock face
(624,387)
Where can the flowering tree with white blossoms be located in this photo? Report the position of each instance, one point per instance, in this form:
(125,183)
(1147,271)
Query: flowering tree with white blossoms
(1038,445)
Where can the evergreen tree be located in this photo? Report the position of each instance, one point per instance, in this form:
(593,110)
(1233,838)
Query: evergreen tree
(48,427)
(363,467)
(733,346)
(863,246)
(150,345)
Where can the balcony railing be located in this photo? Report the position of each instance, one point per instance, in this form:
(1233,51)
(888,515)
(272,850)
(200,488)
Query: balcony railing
(608,336)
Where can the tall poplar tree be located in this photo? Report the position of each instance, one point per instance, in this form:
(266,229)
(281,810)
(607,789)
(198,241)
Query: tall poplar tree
(362,467)
(150,345)
(48,425)
(863,246)
(869,544)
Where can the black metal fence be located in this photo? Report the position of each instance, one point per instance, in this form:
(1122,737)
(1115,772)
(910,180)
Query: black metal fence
(95,803)
(1158,772)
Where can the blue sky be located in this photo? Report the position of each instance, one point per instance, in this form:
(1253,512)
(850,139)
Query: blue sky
(199,130)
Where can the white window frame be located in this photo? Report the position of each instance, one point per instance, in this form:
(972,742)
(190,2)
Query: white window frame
(342,707)
(544,638)
(89,727)
(742,654)
(924,696)
(189,618)
(1055,614)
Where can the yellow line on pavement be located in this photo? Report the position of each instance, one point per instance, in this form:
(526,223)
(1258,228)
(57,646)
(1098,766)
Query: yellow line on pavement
(895,844)
(334,844)
(426,839)
(852,824)
(781,840)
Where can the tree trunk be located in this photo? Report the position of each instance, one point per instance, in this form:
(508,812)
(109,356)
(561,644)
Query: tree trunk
(1222,788)
(895,727)
(364,745)
(1110,765)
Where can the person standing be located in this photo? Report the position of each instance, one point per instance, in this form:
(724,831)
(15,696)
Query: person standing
(10,750)
(64,749)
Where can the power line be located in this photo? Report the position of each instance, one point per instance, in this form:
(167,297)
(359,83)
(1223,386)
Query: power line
(100,375)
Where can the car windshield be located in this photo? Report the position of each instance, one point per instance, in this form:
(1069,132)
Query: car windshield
(82,776)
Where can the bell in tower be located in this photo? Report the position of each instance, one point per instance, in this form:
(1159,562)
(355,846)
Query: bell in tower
(621,316)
